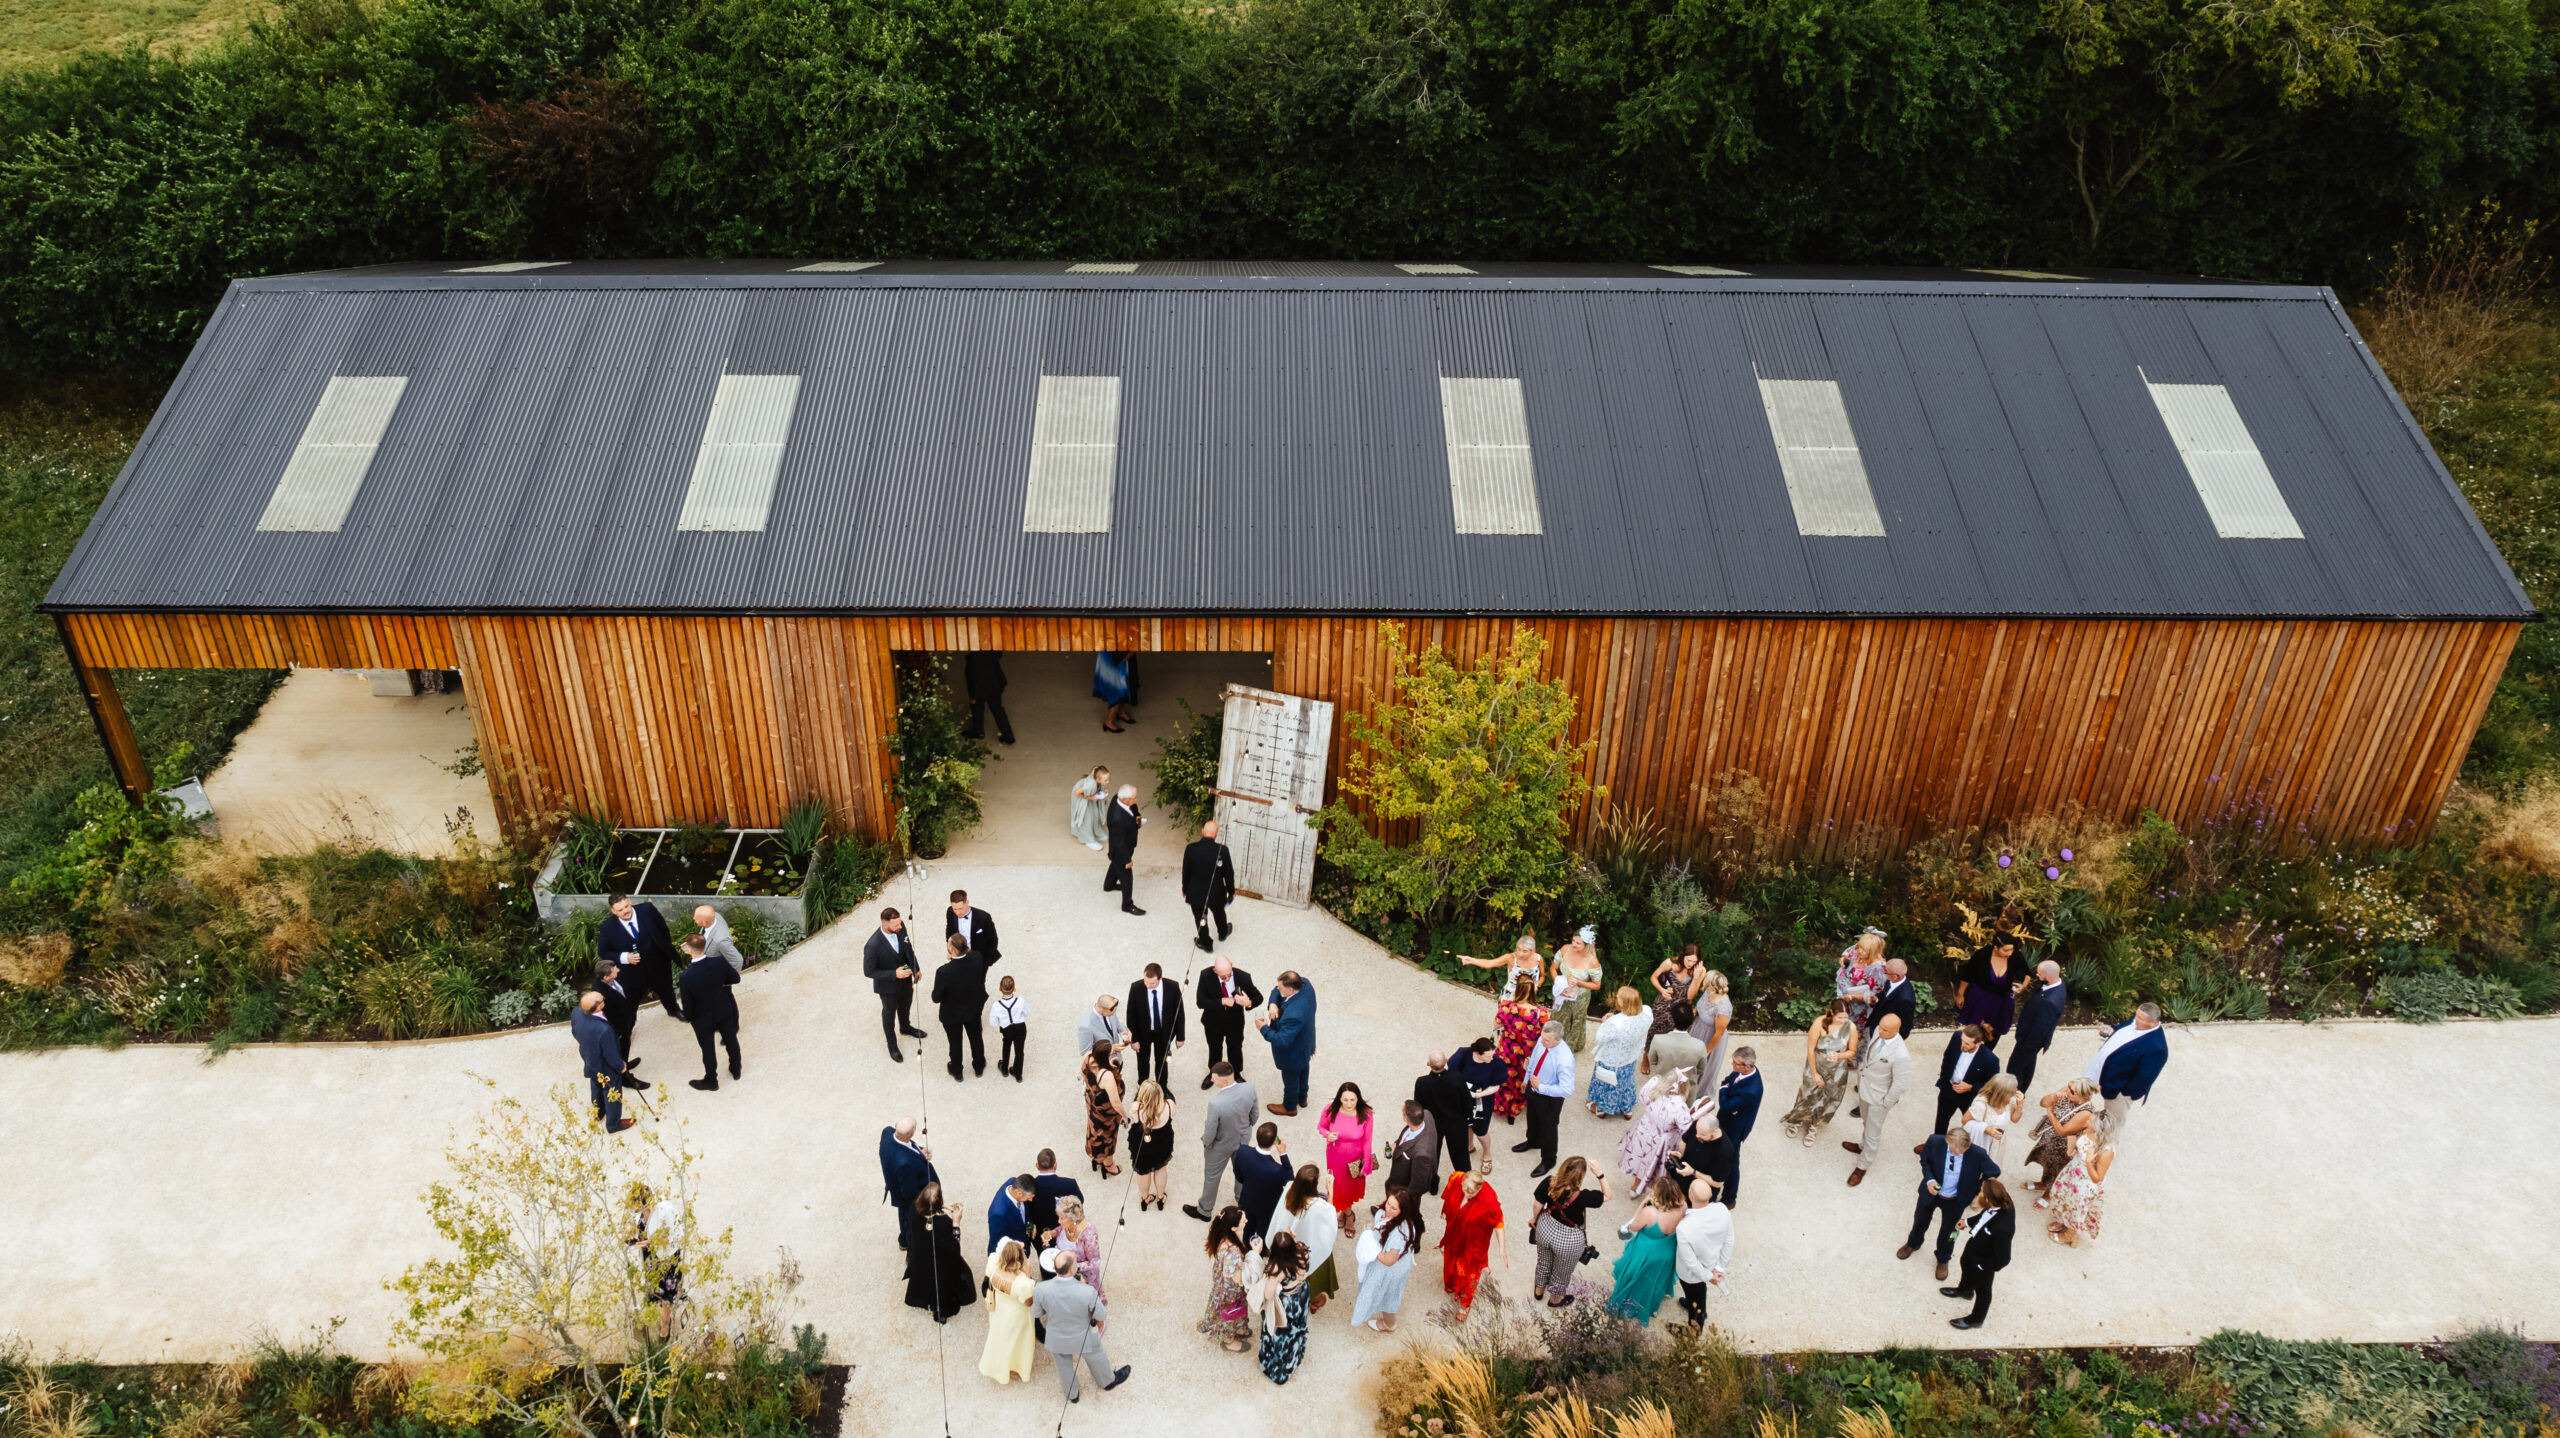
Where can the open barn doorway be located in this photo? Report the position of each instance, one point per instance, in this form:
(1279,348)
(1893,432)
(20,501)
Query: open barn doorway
(1059,737)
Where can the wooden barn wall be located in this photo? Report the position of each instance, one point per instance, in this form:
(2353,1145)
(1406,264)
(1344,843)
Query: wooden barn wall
(2353,729)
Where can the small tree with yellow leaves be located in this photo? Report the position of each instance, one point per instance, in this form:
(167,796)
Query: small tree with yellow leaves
(547,1314)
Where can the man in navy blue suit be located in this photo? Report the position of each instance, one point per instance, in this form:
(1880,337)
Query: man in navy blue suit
(1009,1213)
(1738,1097)
(1047,1187)
(906,1166)
(2126,1065)
(634,937)
(1951,1173)
(2038,1017)
(601,1060)
(1262,1175)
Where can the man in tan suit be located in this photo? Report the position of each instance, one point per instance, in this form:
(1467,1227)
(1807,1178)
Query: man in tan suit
(1881,1082)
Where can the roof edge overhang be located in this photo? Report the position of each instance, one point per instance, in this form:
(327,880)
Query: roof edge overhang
(1937,616)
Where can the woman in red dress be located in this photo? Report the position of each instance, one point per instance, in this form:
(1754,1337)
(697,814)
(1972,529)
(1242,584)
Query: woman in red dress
(1471,1217)
(1517,1022)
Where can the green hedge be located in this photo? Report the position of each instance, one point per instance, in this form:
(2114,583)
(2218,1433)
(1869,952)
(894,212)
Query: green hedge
(2300,141)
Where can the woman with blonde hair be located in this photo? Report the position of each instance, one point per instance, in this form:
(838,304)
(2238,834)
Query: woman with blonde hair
(1522,962)
(2079,1192)
(1612,1093)
(1830,1057)
(1011,1348)
(1715,1018)
(1086,803)
(1516,1026)
(1083,1238)
(2069,1111)
(1151,1142)
(1861,974)
(1650,1141)
(1994,1112)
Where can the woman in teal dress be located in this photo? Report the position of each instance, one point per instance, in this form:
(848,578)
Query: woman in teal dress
(1644,1274)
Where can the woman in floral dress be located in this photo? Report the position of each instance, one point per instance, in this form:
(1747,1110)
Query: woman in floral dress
(1516,1026)
(1830,1058)
(2068,1112)
(1613,1058)
(1229,1317)
(1081,1237)
(1105,1112)
(2079,1193)
(1655,1134)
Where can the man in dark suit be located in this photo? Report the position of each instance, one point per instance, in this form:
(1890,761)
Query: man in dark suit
(1208,884)
(1224,995)
(960,1001)
(906,1166)
(983,672)
(1155,1022)
(1738,1099)
(1047,1187)
(1988,1227)
(634,937)
(621,1009)
(974,924)
(1707,1152)
(2127,1064)
(1951,1173)
(889,962)
(1967,1065)
(1290,1027)
(1262,1174)
(1898,998)
(601,1060)
(1120,823)
(1442,1092)
(1009,1214)
(1413,1155)
(2038,1017)
(711,1006)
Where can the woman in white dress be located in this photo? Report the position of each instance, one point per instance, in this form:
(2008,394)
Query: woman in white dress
(1085,805)
(1996,1110)
(1313,1222)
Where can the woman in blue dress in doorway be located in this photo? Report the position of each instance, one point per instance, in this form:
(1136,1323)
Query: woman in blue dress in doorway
(1115,683)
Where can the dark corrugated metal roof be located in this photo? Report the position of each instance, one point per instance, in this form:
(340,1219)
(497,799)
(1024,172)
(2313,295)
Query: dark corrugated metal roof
(1280,446)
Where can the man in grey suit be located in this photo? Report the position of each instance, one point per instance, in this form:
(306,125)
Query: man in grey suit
(1882,1081)
(1070,1309)
(717,941)
(1229,1128)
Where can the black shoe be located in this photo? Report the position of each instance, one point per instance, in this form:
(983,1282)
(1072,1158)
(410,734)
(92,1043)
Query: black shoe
(620,1126)
(1194,1210)
(707,1085)
(1203,945)
(1522,1147)
(1017,1075)
(913,1033)
(1075,1398)
(979,1069)
(1133,909)
(1957,1292)
(1117,1378)
(897,1054)
(1224,933)
(631,1063)
(1206,1081)
(737,1071)
(1004,738)
(954,1071)
(1542,1170)
(631,1081)
(1966,1322)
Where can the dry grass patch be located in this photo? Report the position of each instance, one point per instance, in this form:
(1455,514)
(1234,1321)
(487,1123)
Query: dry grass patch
(2453,306)
(34,961)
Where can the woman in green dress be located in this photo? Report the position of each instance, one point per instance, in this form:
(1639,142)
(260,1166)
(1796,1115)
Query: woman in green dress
(1578,975)
(1644,1275)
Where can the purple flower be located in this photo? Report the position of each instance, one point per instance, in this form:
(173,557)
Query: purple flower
(2051,872)
(2004,861)
(2066,856)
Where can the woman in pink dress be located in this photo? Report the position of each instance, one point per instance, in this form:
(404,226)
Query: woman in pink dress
(1655,1134)
(1517,1022)
(1348,1153)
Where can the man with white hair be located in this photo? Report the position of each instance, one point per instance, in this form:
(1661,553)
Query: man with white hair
(1549,1082)
(2038,1017)
(1122,822)
(2126,1065)
(1882,1080)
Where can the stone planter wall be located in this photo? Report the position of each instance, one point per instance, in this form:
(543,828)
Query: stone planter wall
(556,907)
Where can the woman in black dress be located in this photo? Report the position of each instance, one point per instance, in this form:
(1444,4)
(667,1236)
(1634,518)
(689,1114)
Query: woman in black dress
(1151,1142)
(938,1278)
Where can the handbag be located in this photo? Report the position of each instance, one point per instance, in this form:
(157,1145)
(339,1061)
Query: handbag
(1604,1075)
(1232,1312)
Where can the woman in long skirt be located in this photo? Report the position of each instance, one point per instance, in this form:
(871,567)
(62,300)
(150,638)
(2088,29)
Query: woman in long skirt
(1229,1316)
(1830,1061)
(1306,1215)
(1644,1273)
(1655,1135)
(1281,1298)
(1115,683)
(1612,1093)
(937,1276)
(1085,805)
(1011,1350)
(1516,1026)
(1471,1223)
(2079,1193)
(1386,1261)
(1105,1112)
(1578,975)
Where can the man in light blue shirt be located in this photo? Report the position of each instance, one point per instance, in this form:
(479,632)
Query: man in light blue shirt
(1548,1079)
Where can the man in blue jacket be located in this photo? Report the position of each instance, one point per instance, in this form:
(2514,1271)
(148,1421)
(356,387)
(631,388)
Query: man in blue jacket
(906,1166)
(1738,1097)
(1951,1173)
(2126,1065)
(1290,1026)
(601,1060)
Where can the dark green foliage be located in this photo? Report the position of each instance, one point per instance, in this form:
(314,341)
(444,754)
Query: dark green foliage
(937,783)
(2318,1388)
(2300,143)
(848,870)
(2516,1380)
(1186,768)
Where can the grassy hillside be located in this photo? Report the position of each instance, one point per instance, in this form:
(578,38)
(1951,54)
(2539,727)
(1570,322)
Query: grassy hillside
(44,32)
(58,454)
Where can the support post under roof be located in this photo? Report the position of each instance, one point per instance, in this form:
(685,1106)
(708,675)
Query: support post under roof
(115,727)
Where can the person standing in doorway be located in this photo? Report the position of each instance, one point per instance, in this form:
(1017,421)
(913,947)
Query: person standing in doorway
(959,992)
(1224,994)
(711,1005)
(1155,1023)
(1290,1028)
(974,924)
(1123,821)
(1208,884)
(1115,683)
(983,672)
(634,936)
(1085,805)
(889,961)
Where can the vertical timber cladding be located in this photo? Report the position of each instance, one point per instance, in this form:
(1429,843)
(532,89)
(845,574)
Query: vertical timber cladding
(2353,728)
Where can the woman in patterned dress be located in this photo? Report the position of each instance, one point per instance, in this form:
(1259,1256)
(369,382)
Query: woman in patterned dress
(1516,1026)
(1281,1298)
(2069,1111)
(1830,1058)
(1081,1237)
(1613,1058)
(2079,1192)
(1655,1134)
(1105,1112)
(1229,1317)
